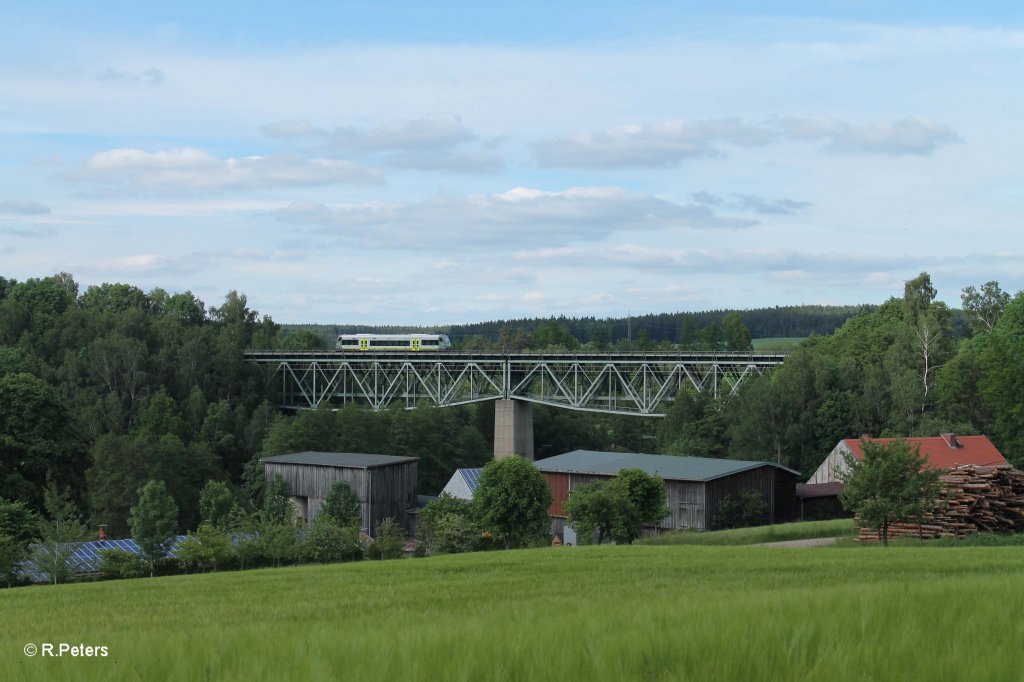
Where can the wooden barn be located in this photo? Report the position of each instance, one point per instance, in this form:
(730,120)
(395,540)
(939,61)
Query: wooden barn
(695,487)
(385,484)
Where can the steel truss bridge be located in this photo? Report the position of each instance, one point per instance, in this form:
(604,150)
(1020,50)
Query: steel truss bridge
(615,383)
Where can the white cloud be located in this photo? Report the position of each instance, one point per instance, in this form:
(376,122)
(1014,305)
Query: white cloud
(449,161)
(913,135)
(150,76)
(425,144)
(34,232)
(188,170)
(648,259)
(433,132)
(23,207)
(511,218)
(670,142)
(752,202)
(662,143)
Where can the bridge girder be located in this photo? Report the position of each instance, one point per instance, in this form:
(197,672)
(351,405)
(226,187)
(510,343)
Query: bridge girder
(621,383)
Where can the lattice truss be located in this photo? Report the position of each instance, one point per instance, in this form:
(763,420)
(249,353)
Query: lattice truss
(308,384)
(622,385)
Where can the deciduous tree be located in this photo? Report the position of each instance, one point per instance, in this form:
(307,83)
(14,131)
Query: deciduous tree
(889,485)
(512,500)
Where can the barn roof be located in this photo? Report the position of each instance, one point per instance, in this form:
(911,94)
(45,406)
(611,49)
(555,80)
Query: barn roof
(669,467)
(944,452)
(347,460)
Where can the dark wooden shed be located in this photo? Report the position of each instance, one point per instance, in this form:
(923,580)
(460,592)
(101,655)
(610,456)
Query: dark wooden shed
(385,484)
(695,487)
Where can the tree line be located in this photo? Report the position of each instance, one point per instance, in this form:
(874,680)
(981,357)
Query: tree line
(700,330)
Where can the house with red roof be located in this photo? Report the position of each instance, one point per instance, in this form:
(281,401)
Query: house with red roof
(819,497)
(943,452)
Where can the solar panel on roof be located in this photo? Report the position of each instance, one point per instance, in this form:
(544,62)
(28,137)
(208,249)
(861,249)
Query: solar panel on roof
(472,477)
(85,556)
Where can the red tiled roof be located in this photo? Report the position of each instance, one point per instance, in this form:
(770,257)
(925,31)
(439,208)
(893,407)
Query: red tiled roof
(969,450)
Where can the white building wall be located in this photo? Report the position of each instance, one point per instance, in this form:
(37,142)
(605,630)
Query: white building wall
(458,488)
(833,465)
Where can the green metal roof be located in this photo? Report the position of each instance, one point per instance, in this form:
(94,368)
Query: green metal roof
(349,460)
(669,467)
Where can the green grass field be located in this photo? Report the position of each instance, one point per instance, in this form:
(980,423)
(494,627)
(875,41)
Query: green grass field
(585,613)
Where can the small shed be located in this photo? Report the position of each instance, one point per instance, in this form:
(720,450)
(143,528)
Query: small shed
(695,487)
(385,484)
(820,501)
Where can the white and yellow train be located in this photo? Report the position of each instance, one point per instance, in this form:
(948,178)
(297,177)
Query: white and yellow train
(375,342)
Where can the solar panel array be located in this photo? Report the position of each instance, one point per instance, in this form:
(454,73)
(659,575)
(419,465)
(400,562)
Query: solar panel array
(472,477)
(85,556)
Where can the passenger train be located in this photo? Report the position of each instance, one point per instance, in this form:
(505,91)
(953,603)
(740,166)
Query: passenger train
(374,342)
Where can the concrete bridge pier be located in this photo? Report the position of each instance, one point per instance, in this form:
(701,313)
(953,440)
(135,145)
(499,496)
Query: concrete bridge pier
(513,429)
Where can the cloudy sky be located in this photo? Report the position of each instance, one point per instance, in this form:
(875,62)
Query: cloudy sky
(441,162)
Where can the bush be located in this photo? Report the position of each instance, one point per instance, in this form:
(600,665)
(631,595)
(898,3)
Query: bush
(435,509)
(116,564)
(389,543)
(325,542)
(455,534)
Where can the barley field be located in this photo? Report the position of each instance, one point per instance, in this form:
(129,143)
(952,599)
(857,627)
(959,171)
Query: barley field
(644,612)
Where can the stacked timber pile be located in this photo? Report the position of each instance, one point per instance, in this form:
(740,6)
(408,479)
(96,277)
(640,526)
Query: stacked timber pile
(975,499)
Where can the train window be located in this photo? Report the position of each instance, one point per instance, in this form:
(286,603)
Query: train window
(428,342)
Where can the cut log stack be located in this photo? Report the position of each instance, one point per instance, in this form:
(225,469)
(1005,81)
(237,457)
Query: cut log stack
(975,499)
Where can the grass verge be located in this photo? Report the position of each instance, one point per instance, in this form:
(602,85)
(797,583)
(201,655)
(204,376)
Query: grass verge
(759,534)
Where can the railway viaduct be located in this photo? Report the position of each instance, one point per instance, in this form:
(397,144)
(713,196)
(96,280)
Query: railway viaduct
(640,384)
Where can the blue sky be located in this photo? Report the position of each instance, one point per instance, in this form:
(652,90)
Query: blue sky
(452,162)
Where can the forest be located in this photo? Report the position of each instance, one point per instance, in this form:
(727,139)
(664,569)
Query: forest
(105,389)
(700,330)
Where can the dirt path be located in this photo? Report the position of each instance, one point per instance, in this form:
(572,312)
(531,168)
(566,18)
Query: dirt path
(808,542)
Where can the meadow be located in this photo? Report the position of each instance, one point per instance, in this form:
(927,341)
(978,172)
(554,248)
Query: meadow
(644,612)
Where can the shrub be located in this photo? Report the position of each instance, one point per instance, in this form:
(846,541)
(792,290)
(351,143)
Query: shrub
(389,543)
(116,564)
(455,534)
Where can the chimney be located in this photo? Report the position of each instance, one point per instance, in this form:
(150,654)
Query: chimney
(103,532)
(951,440)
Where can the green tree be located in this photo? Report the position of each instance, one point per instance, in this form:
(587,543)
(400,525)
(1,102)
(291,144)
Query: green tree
(324,541)
(597,507)
(342,505)
(39,441)
(389,542)
(454,533)
(60,530)
(154,522)
(216,503)
(19,527)
(889,485)
(512,500)
(985,307)
(443,505)
(647,495)
(206,549)
(277,503)
(737,336)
